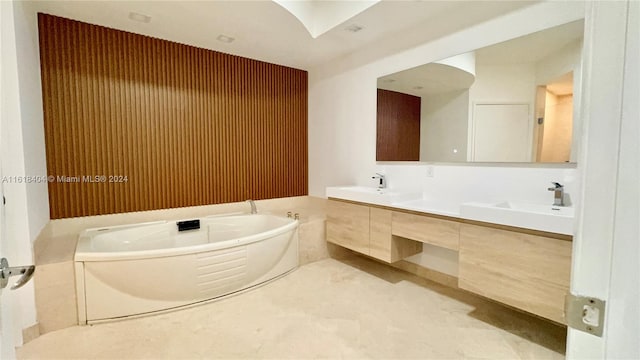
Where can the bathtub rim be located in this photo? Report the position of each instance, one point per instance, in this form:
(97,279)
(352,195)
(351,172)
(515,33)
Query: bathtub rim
(82,254)
(156,222)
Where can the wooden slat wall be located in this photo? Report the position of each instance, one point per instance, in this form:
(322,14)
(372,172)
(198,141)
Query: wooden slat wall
(398,126)
(187,126)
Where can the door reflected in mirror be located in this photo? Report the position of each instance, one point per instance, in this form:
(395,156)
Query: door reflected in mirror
(509,102)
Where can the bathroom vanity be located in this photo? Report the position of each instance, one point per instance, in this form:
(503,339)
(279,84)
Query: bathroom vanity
(368,230)
(527,269)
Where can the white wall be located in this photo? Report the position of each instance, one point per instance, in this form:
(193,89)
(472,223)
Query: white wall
(34,154)
(23,154)
(444,121)
(550,68)
(558,128)
(456,184)
(506,83)
(342,120)
(559,63)
(342,99)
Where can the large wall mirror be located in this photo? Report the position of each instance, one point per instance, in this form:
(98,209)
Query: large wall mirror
(509,102)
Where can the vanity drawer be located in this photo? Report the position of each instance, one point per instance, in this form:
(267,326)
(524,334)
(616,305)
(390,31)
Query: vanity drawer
(526,271)
(348,225)
(439,232)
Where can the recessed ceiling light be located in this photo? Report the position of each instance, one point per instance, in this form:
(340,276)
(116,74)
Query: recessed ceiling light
(354,28)
(225,38)
(139,17)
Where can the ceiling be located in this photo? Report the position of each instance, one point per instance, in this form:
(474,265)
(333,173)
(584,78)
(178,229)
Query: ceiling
(265,30)
(562,85)
(427,80)
(320,16)
(533,47)
(434,78)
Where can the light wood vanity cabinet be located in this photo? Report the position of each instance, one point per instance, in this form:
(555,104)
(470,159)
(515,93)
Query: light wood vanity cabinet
(348,225)
(385,246)
(509,265)
(380,234)
(525,271)
(426,229)
(366,230)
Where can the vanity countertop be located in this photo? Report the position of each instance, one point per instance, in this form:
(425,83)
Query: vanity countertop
(430,207)
(403,200)
(533,217)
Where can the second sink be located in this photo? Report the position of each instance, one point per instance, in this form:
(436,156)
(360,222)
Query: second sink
(550,218)
(537,208)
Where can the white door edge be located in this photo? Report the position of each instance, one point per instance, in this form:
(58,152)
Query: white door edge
(603,163)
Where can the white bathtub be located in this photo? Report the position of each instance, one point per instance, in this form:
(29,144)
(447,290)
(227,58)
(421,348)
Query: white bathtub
(143,268)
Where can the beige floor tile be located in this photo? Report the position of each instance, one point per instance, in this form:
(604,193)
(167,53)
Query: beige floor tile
(328,309)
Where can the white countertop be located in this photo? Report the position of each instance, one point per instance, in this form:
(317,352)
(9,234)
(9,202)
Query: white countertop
(413,201)
(430,207)
(542,217)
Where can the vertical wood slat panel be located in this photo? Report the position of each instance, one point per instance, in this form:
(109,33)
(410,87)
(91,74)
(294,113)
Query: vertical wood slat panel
(187,126)
(398,126)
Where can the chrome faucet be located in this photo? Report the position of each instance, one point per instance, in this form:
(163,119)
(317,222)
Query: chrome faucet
(382,184)
(558,194)
(254,210)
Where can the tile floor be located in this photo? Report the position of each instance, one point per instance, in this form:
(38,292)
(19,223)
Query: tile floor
(354,308)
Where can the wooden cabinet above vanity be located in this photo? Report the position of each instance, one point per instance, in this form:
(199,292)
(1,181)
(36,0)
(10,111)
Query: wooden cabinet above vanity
(525,269)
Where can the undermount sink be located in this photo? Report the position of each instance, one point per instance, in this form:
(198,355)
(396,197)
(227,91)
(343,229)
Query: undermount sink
(556,219)
(370,194)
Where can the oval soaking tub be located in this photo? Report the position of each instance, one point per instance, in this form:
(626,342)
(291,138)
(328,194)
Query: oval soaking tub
(143,268)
